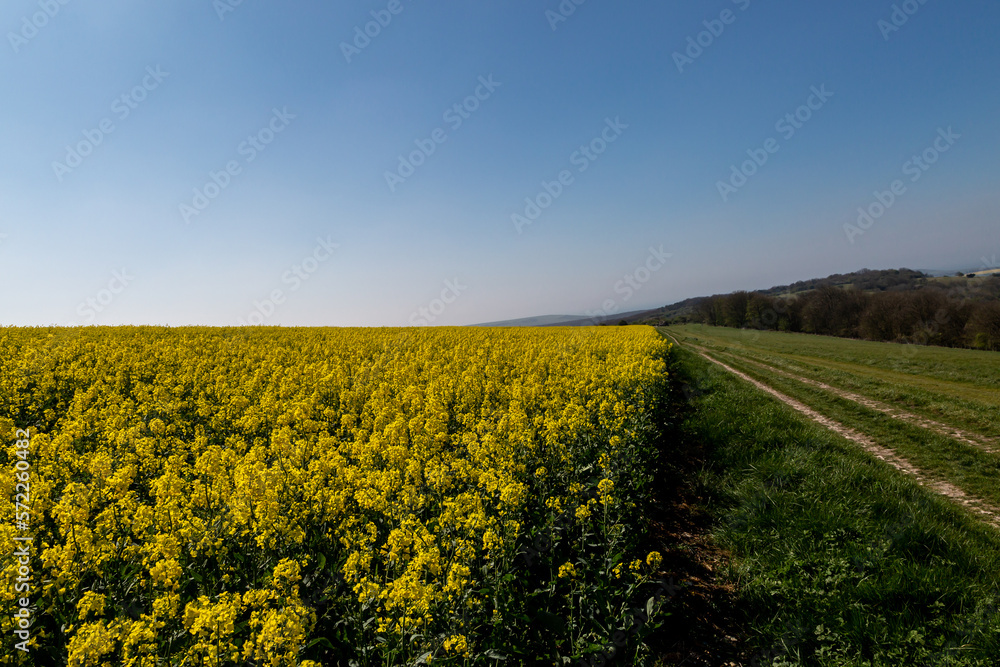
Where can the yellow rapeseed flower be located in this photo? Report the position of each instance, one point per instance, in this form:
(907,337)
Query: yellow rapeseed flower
(457,644)
(417,455)
(604,488)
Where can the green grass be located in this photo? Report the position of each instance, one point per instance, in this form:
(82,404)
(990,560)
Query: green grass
(837,559)
(957,387)
(967,467)
(963,367)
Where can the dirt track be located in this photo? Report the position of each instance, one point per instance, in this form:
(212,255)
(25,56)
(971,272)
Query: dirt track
(942,429)
(985,510)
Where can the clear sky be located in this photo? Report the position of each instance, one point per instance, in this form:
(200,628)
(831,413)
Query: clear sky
(200,162)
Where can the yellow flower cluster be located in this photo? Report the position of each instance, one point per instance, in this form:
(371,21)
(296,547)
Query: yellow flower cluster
(604,488)
(196,492)
(457,644)
(567,571)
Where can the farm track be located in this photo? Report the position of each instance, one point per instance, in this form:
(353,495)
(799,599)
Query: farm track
(950,388)
(988,512)
(972,439)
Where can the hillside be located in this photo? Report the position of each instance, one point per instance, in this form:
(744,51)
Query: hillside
(899,305)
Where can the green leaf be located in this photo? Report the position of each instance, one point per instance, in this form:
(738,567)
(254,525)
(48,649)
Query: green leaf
(320,640)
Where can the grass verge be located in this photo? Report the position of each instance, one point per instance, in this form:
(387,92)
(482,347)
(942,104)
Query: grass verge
(968,467)
(836,559)
(957,387)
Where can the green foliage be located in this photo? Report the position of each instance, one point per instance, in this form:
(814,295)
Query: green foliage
(896,305)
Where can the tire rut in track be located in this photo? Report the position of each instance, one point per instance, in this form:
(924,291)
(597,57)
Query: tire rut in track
(968,438)
(987,512)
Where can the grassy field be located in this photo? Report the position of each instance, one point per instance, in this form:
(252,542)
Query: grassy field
(837,558)
(958,387)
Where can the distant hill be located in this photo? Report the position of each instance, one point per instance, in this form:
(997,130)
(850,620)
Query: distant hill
(631,317)
(540,321)
(865,280)
(955,289)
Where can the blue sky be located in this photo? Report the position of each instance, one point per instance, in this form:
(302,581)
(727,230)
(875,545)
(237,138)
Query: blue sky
(252,171)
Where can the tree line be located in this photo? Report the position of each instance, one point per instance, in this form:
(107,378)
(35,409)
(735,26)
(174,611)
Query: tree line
(928,315)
